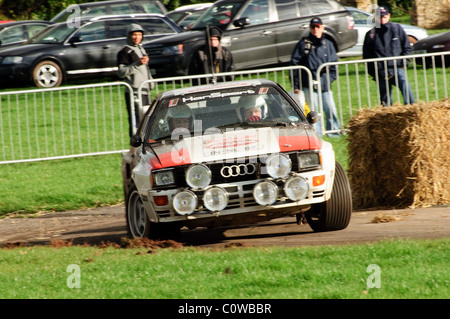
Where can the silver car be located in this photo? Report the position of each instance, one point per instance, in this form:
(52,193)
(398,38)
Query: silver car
(364,22)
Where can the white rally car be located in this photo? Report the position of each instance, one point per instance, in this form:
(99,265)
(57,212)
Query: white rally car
(228,154)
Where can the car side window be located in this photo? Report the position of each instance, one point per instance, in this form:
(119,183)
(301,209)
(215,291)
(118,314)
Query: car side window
(314,7)
(257,11)
(92,32)
(150,7)
(34,28)
(156,26)
(12,34)
(287,9)
(123,9)
(360,18)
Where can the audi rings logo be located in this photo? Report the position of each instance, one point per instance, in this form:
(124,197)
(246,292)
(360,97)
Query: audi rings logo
(236,170)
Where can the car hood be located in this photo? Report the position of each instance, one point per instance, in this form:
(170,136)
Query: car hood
(428,42)
(235,144)
(26,49)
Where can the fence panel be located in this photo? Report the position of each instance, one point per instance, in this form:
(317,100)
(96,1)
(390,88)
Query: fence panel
(88,120)
(63,122)
(355,89)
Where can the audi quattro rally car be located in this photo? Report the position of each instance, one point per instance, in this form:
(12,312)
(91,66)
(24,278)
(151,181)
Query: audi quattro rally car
(228,154)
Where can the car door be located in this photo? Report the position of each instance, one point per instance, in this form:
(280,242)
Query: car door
(290,28)
(253,44)
(95,53)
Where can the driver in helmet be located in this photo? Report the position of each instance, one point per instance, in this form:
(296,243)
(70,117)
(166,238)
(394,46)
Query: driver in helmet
(251,108)
(180,116)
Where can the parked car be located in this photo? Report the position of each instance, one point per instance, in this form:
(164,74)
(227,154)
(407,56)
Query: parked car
(364,21)
(117,7)
(258,33)
(230,169)
(435,43)
(64,51)
(185,16)
(13,33)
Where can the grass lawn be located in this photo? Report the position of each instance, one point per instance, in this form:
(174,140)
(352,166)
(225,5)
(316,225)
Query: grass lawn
(388,269)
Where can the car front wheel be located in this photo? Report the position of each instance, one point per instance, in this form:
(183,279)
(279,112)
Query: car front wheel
(47,74)
(335,213)
(138,223)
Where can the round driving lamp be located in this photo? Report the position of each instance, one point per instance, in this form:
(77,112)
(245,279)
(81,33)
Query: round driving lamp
(215,199)
(296,188)
(198,176)
(278,165)
(185,202)
(265,193)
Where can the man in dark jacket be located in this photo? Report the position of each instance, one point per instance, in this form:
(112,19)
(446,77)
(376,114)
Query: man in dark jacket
(388,39)
(313,51)
(212,57)
(132,63)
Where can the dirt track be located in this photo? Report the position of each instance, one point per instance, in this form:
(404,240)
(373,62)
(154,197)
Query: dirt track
(107,224)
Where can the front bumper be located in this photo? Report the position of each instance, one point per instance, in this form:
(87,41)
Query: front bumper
(14,72)
(241,200)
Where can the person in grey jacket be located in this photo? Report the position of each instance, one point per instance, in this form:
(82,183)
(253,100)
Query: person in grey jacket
(132,63)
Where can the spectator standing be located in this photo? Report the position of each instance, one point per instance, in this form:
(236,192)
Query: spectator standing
(313,51)
(388,39)
(132,63)
(212,57)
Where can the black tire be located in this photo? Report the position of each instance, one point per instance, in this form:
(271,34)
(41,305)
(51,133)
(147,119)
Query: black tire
(335,213)
(138,224)
(47,74)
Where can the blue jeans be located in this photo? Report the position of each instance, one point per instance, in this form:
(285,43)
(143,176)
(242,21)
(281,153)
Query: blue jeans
(329,108)
(403,84)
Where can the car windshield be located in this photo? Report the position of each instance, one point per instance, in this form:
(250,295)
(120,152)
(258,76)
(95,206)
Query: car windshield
(221,110)
(220,15)
(53,34)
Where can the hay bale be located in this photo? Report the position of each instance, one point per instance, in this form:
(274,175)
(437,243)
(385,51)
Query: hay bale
(399,156)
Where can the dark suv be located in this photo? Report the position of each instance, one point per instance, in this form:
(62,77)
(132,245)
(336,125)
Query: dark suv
(257,32)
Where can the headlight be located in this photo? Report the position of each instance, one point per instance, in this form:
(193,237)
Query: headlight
(198,176)
(184,202)
(12,60)
(308,160)
(215,199)
(278,165)
(172,50)
(296,188)
(265,193)
(163,178)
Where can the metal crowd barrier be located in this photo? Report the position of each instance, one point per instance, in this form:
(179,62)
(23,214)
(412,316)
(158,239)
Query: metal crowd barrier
(75,121)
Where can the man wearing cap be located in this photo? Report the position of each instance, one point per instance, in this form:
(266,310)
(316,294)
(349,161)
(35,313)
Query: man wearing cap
(313,51)
(212,57)
(388,39)
(132,62)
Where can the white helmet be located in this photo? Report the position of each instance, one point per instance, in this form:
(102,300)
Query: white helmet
(250,102)
(180,112)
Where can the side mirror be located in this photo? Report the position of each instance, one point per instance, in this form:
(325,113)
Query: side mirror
(135,141)
(241,22)
(312,117)
(75,39)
